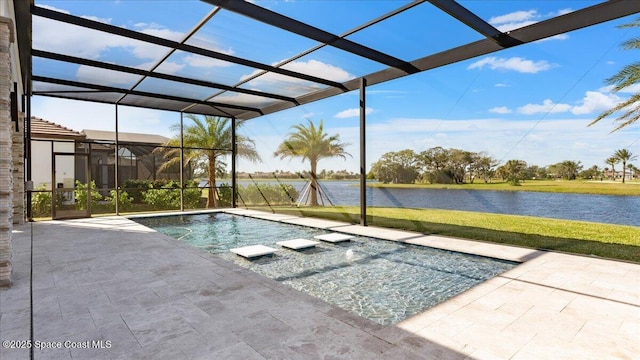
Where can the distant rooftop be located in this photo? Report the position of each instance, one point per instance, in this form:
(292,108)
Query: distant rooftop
(100,135)
(44,129)
(41,128)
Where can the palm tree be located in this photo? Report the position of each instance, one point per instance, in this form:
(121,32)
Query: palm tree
(624,155)
(209,139)
(633,171)
(613,161)
(623,79)
(313,144)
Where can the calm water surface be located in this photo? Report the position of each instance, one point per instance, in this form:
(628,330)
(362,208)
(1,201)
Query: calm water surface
(611,209)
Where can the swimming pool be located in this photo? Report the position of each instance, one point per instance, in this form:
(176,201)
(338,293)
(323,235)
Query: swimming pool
(383,281)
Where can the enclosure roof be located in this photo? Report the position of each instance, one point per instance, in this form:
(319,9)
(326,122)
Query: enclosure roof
(248,78)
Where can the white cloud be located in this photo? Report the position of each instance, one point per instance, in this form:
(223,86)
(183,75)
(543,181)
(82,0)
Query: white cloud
(143,50)
(204,62)
(243,99)
(73,114)
(100,76)
(312,67)
(319,69)
(501,85)
(293,86)
(89,44)
(633,89)
(518,19)
(562,12)
(512,26)
(555,37)
(547,106)
(518,64)
(167,67)
(94,44)
(49,7)
(352,113)
(514,20)
(98,19)
(501,110)
(502,138)
(514,17)
(107,77)
(595,101)
(592,102)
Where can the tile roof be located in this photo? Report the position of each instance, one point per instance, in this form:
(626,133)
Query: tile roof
(41,128)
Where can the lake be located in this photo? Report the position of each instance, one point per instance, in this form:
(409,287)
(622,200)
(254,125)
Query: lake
(624,210)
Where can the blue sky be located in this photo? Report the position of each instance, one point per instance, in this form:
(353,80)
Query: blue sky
(531,102)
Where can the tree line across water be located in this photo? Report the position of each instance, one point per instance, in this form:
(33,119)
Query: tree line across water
(438,165)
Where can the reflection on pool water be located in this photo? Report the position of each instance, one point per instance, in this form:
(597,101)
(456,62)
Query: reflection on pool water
(384,281)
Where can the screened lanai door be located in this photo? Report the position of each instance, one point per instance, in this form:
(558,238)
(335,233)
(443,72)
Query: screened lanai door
(71,179)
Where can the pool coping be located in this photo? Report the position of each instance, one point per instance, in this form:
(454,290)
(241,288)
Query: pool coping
(471,247)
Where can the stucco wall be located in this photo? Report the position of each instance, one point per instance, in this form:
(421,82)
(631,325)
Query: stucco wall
(41,162)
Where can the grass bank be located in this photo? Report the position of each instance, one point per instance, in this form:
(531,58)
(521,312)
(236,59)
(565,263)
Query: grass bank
(579,237)
(631,188)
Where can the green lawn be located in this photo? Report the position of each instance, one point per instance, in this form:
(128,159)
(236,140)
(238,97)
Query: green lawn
(580,237)
(631,188)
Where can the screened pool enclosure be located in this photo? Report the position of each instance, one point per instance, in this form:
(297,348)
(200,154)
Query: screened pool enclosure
(135,163)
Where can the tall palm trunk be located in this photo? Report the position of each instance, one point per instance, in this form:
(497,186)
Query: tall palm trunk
(314,182)
(211,198)
(624,170)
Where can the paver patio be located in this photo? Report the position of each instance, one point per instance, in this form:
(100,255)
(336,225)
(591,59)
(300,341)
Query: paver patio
(151,296)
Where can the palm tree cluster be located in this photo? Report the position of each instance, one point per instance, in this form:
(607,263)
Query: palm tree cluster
(206,141)
(311,143)
(567,169)
(623,156)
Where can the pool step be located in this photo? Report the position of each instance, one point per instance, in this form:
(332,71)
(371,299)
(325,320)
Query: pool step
(298,244)
(253,251)
(334,237)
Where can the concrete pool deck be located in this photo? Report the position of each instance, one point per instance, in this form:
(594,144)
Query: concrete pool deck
(151,296)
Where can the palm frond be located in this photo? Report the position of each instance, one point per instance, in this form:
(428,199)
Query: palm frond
(635,23)
(631,44)
(626,77)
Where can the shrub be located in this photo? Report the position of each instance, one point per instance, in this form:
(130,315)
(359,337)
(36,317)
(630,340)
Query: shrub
(191,198)
(274,194)
(135,189)
(164,198)
(41,202)
(81,195)
(125,201)
(224,193)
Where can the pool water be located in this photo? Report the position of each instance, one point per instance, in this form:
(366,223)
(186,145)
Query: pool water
(383,281)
